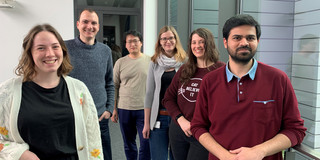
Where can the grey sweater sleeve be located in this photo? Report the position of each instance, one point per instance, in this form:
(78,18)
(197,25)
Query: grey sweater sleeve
(109,84)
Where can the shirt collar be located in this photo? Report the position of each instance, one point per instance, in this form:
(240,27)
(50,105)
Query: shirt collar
(252,71)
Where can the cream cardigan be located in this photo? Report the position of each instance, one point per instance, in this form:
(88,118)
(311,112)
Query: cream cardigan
(87,129)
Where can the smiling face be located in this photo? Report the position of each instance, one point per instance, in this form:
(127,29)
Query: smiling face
(168,42)
(47,53)
(242,43)
(88,26)
(198,46)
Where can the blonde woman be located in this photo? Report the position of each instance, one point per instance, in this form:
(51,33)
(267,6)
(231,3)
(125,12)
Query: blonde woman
(169,56)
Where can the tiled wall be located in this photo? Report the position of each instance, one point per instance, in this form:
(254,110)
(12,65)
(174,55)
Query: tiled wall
(305,67)
(276,20)
(206,14)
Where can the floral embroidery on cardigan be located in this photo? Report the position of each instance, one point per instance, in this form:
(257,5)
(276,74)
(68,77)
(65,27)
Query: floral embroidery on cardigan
(95,153)
(81,98)
(1,146)
(4,131)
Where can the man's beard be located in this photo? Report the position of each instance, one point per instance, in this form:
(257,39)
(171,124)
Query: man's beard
(242,59)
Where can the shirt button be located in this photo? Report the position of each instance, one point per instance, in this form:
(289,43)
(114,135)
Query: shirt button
(240,83)
(240,92)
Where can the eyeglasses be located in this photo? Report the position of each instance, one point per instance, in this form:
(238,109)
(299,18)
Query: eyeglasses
(164,39)
(135,41)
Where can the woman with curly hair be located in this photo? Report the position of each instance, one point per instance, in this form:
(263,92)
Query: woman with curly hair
(180,98)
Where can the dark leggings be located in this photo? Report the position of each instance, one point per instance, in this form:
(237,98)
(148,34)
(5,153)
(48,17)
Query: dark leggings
(183,147)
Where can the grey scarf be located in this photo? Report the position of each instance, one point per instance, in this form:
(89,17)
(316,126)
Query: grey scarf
(167,62)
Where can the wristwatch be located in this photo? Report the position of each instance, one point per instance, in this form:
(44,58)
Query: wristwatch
(178,116)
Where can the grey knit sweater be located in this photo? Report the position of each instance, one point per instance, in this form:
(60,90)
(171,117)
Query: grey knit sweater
(92,64)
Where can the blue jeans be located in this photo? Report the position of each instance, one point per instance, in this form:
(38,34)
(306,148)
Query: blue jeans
(132,121)
(159,140)
(105,137)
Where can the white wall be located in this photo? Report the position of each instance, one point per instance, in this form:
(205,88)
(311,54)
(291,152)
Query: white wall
(17,21)
(149,26)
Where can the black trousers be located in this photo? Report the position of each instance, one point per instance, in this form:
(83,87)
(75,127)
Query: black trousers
(183,147)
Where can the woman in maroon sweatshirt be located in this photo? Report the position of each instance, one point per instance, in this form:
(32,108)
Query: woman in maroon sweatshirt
(180,97)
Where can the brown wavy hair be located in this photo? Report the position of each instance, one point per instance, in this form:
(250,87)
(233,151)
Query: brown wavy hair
(179,53)
(26,66)
(211,54)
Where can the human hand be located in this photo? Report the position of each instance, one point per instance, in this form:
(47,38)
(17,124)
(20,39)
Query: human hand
(114,117)
(28,155)
(229,156)
(146,131)
(245,153)
(185,126)
(105,115)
